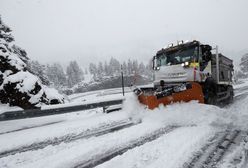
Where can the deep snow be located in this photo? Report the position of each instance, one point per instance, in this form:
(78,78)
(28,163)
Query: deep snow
(197,124)
(5,108)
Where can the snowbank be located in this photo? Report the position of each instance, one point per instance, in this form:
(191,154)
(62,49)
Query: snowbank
(53,95)
(5,107)
(172,150)
(191,113)
(198,123)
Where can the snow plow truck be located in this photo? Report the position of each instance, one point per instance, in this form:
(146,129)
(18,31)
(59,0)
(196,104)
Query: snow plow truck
(189,71)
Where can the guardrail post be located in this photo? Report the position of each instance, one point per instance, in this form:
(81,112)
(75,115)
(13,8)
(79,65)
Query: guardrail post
(104,109)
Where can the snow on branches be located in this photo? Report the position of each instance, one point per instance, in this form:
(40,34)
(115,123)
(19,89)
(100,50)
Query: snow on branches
(19,87)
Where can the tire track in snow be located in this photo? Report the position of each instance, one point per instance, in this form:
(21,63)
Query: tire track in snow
(36,126)
(241,90)
(240,93)
(213,152)
(108,155)
(108,128)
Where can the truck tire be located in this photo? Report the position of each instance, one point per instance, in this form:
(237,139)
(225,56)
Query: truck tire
(231,93)
(210,91)
(212,98)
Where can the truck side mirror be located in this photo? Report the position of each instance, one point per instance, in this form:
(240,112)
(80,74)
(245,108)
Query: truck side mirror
(206,52)
(207,56)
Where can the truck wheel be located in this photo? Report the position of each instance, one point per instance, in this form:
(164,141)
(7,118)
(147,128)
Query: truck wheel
(230,98)
(210,91)
(212,98)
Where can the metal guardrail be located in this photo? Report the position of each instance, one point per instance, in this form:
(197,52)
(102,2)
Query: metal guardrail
(21,114)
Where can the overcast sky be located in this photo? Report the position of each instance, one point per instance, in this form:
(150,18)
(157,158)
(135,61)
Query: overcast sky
(94,30)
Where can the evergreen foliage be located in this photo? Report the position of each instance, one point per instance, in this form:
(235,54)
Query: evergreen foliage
(74,74)
(244,63)
(19,87)
(56,75)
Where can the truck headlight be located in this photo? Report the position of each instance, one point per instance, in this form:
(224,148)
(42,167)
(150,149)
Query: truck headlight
(185,64)
(157,68)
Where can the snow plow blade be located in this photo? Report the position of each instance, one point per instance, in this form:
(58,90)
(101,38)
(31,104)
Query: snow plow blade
(180,93)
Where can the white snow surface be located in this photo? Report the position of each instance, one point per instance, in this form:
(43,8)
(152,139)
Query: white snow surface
(5,107)
(88,99)
(13,59)
(242,83)
(26,83)
(67,124)
(197,124)
(52,93)
(170,150)
(28,80)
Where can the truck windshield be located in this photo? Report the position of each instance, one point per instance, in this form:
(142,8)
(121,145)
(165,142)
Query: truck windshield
(177,57)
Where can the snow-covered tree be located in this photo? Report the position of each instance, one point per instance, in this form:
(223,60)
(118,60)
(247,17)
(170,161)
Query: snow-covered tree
(135,67)
(39,70)
(106,69)
(129,67)
(100,71)
(56,75)
(149,70)
(142,69)
(74,74)
(124,68)
(92,69)
(18,87)
(114,66)
(239,75)
(21,53)
(244,63)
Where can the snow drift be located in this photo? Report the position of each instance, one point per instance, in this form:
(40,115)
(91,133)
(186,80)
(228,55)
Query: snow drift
(191,113)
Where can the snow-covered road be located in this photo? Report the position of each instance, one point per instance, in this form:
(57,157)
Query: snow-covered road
(172,136)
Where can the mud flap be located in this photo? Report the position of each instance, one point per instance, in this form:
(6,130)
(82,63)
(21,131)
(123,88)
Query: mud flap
(181,93)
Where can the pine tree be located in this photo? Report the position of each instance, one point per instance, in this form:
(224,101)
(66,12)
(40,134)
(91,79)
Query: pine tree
(21,53)
(18,87)
(92,69)
(74,74)
(142,69)
(106,69)
(124,68)
(244,63)
(114,65)
(135,67)
(70,76)
(100,71)
(149,70)
(56,75)
(39,70)
(129,67)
